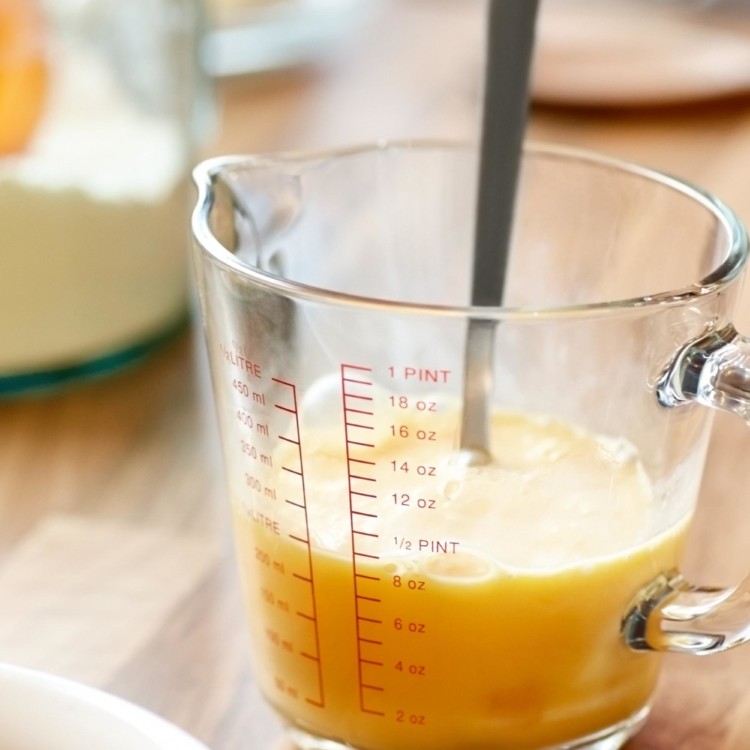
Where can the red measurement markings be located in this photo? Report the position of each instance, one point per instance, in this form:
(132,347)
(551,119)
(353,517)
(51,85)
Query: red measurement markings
(358,404)
(300,503)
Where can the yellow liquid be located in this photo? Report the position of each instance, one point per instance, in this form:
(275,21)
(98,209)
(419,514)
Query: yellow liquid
(489,619)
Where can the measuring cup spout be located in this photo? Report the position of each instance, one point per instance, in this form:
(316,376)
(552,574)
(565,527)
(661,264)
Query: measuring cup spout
(714,371)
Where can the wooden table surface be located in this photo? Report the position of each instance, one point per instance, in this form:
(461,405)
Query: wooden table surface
(116,563)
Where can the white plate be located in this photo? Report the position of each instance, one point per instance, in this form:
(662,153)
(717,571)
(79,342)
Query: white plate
(39,711)
(248,39)
(631,52)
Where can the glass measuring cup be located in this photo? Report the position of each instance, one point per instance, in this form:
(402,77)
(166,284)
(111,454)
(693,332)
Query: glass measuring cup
(396,597)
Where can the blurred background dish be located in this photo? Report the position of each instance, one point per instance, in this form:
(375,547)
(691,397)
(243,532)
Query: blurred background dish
(617,53)
(39,711)
(258,36)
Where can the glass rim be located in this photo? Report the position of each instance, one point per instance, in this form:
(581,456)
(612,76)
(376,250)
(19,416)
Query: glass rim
(728,271)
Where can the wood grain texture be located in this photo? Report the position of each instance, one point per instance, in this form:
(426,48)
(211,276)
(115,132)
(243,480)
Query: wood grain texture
(94,592)
(116,562)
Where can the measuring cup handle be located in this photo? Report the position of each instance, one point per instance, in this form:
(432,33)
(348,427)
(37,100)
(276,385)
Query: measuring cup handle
(672,615)
(714,371)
